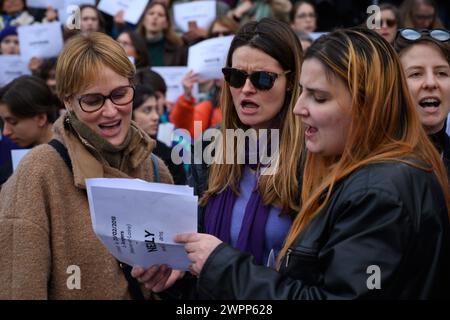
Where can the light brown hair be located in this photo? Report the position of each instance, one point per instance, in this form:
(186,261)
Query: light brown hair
(385,125)
(83,57)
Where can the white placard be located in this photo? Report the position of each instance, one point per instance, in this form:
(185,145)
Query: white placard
(40,40)
(203,12)
(17,155)
(12,67)
(133,9)
(44,4)
(172,77)
(316,35)
(207,58)
(137,221)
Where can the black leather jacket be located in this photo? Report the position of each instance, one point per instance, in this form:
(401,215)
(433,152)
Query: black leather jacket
(388,217)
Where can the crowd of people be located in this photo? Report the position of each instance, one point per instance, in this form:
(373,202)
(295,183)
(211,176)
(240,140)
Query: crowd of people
(362,161)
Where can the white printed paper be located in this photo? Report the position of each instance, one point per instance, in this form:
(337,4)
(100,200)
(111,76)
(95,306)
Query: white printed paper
(17,155)
(133,9)
(316,35)
(137,221)
(12,67)
(207,58)
(40,40)
(203,12)
(173,77)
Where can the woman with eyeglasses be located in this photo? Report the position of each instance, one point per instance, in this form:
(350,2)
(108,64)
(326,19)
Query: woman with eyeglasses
(374,222)
(250,204)
(420,14)
(48,240)
(303,17)
(389,22)
(425,56)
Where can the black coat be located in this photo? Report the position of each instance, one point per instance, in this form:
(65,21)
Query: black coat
(389,216)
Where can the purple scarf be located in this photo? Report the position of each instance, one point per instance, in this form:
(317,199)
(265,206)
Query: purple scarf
(252,236)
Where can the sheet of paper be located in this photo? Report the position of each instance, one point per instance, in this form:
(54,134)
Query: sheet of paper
(40,40)
(133,9)
(207,58)
(17,155)
(44,4)
(165,133)
(316,35)
(202,12)
(138,224)
(172,77)
(12,67)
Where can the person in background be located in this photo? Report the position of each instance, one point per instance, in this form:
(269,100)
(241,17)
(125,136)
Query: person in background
(27,110)
(134,46)
(9,41)
(150,78)
(46,197)
(47,72)
(14,13)
(420,14)
(375,197)
(389,22)
(187,110)
(91,19)
(146,114)
(164,47)
(425,56)
(304,17)
(255,10)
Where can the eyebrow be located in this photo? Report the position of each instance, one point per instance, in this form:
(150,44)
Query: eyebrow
(313,90)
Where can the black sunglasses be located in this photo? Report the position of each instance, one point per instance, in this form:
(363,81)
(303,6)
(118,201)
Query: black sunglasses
(414,35)
(261,80)
(389,22)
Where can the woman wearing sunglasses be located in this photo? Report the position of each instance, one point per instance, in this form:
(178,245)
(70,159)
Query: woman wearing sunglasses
(425,56)
(389,22)
(244,208)
(374,221)
(44,213)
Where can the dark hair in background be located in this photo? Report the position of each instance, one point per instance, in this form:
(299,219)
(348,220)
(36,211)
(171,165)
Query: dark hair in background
(141,94)
(151,78)
(297,5)
(139,46)
(101,19)
(401,44)
(28,96)
(47,66)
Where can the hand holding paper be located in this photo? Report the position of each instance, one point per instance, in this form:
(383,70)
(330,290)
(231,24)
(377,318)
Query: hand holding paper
(137,221)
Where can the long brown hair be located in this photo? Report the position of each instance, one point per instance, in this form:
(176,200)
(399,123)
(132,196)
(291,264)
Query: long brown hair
(169,33)
(407,11)
(385,125)
(280,189)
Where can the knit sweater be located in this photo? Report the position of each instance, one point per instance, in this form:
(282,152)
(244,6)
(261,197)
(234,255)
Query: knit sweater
(45,225)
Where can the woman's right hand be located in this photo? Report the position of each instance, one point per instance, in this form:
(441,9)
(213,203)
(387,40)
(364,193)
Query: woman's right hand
(188,82)
(157,278)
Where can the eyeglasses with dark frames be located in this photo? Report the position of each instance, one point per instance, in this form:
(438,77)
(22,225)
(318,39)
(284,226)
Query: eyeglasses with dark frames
(409,34)
(261,80)
(120,96)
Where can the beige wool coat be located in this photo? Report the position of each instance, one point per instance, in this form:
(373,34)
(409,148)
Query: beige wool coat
(45,225)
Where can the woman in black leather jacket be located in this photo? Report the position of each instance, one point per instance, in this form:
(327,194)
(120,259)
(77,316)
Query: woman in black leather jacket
(374,221)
